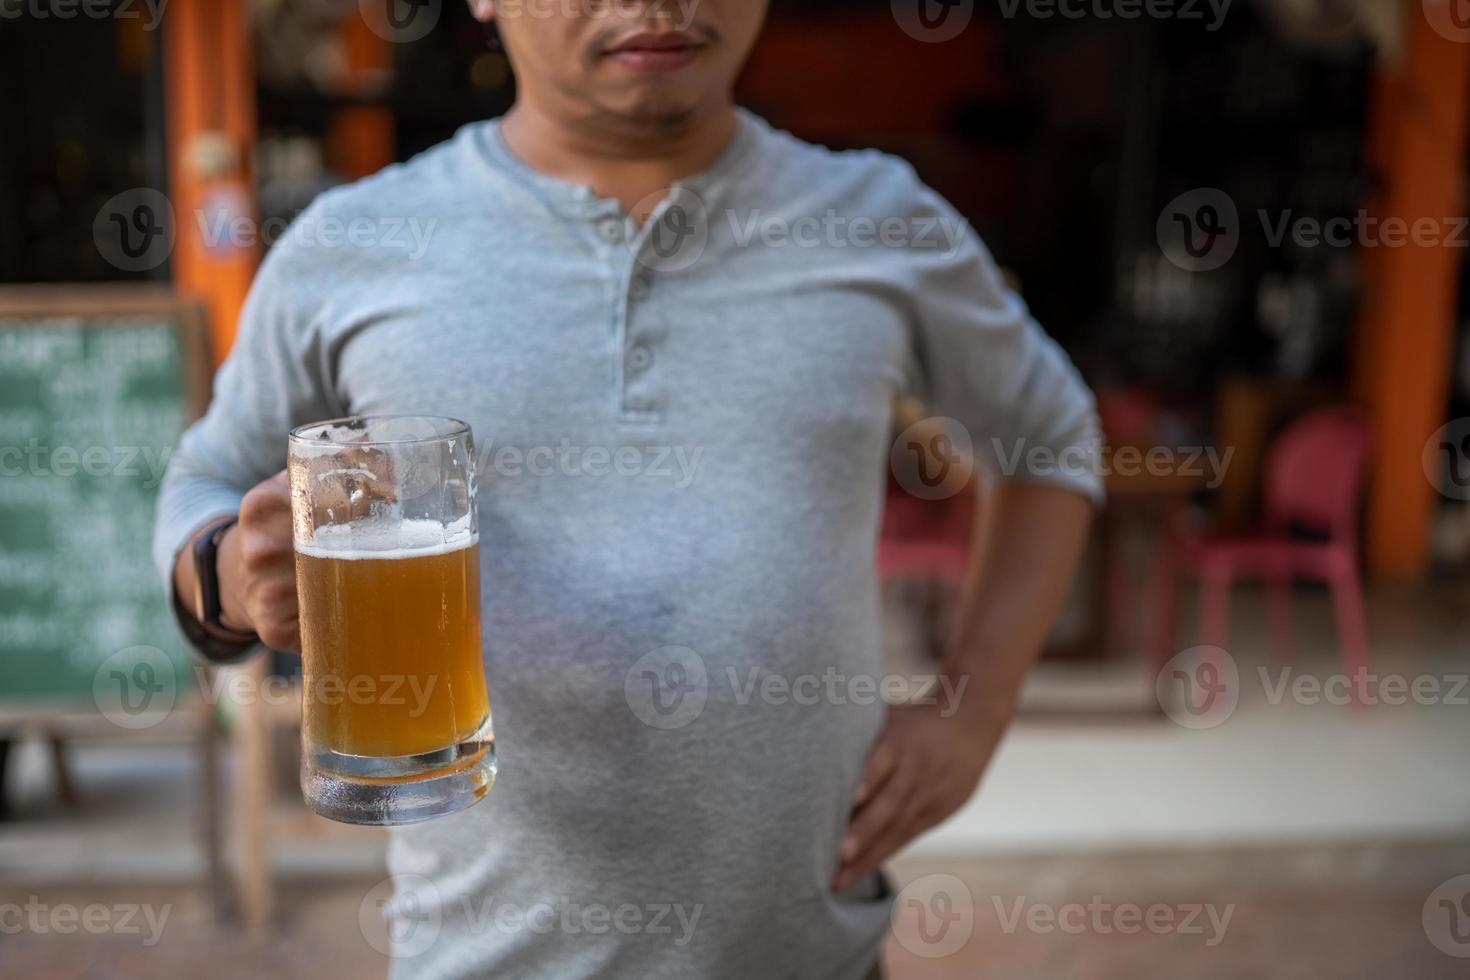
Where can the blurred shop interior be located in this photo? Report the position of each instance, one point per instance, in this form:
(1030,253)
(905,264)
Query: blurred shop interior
(1066,142)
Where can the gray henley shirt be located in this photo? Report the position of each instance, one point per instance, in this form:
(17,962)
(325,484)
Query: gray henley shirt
(682,431)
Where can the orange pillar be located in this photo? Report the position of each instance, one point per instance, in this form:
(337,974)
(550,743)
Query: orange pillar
(360,138)
(1405,334)
(210,104)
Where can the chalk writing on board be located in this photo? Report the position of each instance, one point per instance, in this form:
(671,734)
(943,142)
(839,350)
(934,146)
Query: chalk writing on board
(90,409)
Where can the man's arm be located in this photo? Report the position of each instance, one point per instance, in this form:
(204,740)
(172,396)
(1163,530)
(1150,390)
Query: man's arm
(229,462)
(1032,535)
(981,359)
(929,758)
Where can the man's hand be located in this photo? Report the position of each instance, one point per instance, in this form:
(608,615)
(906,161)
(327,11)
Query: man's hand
(922,768)
(925,765)
(257,567)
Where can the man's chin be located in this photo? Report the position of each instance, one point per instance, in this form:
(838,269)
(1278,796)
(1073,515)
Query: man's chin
(658,110)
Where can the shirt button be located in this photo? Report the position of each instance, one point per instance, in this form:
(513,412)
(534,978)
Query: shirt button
(638,287)
(639,358)
(611,230)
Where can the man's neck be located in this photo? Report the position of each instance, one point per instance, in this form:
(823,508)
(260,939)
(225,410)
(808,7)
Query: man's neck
(632,164)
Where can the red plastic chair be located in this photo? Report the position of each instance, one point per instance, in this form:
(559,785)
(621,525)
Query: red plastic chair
(1314,484)
(925,540)
(928,543)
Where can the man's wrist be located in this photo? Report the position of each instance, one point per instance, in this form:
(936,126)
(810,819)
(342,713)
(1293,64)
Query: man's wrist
(217,643)
(208,599)
(232,614)
(982,695)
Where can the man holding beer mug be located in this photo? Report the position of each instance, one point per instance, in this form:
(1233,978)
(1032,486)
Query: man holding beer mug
(676,334)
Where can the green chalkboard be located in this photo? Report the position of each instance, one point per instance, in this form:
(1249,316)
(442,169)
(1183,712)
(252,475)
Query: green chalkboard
(96,386)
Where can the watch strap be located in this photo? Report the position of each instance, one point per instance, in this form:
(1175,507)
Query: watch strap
(208,609)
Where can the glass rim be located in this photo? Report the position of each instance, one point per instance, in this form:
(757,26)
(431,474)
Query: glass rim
(454,429)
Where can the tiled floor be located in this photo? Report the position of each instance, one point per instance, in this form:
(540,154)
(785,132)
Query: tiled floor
(1341,913)
(1320,830)
(317,937)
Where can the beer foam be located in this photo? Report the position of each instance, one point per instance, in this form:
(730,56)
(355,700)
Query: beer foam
(383,539)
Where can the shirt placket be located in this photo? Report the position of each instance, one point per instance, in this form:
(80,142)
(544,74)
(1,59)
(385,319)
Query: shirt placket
(635,336)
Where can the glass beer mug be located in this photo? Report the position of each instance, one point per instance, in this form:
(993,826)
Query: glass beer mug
(395,717)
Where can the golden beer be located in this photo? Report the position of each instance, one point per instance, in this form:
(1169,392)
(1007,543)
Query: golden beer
(392,643)
(395,718)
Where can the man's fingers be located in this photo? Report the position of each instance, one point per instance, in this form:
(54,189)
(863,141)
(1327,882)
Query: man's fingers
(880,766)
(879,848)
(870,820)
(875,805)
(284,636)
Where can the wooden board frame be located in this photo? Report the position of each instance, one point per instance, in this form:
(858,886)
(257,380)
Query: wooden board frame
(112,299)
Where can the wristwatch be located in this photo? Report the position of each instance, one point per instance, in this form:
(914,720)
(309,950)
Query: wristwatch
(207,609)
